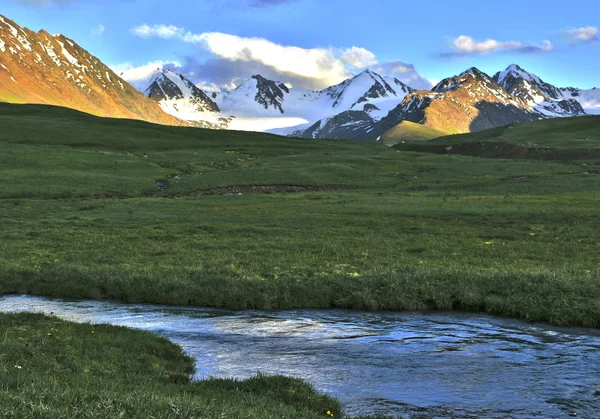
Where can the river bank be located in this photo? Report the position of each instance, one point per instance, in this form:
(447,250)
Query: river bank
(440,365)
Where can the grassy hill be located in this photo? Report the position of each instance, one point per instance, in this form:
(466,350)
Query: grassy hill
(551,139)
(257,221)
(577,132)
(409,131)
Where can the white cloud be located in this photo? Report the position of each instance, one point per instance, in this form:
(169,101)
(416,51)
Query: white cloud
(404,72)
(98,30)
(208,87)
(582,35)
(466,45)
(323,65)
(235,58)
(359,57)
(139,77)
(160,31)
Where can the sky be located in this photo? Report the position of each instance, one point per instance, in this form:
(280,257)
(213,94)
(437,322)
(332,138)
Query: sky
(317,43)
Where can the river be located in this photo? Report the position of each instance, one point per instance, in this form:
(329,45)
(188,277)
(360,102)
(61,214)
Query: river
(442,365)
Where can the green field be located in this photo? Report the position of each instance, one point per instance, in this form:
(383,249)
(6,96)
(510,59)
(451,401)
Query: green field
(258,221)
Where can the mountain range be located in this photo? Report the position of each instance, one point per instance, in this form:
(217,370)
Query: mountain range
(372,107)
(36,67)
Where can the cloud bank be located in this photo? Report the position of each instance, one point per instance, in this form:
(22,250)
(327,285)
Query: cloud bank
(582,35)
(235,58)
(465,45)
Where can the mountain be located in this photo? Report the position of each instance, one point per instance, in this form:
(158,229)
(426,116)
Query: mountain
(345,125)
(172,90)
(53,69)
(546,98)
(368,92)
(471,101)
(261,103)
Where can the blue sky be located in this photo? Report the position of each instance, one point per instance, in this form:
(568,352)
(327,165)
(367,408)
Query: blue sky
(313,43)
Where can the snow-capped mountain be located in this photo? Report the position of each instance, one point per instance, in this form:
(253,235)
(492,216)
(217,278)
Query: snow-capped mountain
(174,92)
(263,104)
(368,92)
(546,98)
(471,101)
(43,68)
(36,67)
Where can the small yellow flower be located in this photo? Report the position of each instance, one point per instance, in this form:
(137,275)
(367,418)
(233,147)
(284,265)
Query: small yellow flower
(488,243)
(49,334)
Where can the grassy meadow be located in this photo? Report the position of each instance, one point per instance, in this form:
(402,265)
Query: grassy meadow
(257,221)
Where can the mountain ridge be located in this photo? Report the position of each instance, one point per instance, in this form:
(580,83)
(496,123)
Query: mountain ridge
(53,69)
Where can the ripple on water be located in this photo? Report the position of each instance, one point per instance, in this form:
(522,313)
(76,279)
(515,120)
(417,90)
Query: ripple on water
(409,364)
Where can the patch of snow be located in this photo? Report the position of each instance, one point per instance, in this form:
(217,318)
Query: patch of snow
(264,124)
(2,46)
(68,55)
(50,51)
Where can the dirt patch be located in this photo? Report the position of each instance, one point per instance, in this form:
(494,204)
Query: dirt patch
(270,189)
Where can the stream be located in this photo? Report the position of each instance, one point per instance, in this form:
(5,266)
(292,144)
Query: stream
(426,365)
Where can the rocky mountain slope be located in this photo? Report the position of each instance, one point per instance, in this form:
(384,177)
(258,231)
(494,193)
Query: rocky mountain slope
(272,103)
(469,102)
(53,69)
(369,106)
(546,98)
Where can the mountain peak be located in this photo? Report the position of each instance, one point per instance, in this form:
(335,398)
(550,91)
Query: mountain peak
(515,67)
(473,71)
(469,76)
(518,72)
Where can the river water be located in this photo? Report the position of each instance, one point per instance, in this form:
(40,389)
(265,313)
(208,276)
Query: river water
(442,365)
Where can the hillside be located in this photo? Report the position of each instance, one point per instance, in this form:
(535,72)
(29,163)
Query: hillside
(577,132)
(550,139)
(409,131)
(53,69)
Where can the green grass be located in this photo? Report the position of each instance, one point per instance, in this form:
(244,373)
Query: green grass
(409,131)
(561,139)
(576,132)
(81,216)
(56,369)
